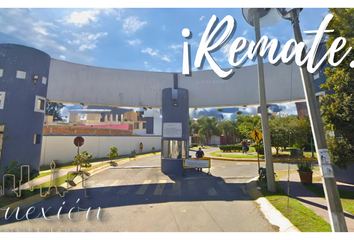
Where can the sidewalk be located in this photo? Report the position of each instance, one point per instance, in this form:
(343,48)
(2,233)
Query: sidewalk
(311,200)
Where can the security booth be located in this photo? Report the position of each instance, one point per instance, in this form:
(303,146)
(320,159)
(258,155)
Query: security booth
(175,130)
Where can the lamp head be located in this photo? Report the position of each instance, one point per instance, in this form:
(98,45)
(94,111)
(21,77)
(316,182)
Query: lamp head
(267,16)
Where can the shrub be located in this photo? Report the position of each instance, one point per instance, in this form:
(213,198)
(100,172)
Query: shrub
(113,153)
(15,169)
(194,145)
(304,166)
(79,160)
(153,150)
(231,148)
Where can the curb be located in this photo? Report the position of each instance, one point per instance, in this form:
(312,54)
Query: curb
(261,160)
(274,217)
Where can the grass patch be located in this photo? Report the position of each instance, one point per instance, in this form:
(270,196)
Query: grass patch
(346,197)
(218,154)
(302,217)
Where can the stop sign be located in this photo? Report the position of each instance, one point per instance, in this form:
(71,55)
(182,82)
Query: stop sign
(79,141)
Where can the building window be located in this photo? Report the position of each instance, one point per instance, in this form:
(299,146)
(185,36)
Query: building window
(2,100)
(144,125)
(39,105)
(136,125)
(1,72)
(37,139)
(44,80)
(83,116)
(21,74)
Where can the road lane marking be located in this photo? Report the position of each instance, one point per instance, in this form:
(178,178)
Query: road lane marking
(109,187)
(176,189)
(143,187)
(124,190)
(160,187)
(192,188)
(212,192)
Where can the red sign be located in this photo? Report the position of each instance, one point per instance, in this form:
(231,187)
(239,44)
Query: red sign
(79,141)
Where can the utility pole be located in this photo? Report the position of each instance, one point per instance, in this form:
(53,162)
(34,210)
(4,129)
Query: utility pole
(334,205)
(264,113)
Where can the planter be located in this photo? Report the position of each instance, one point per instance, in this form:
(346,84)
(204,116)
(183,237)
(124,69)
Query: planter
(306,177)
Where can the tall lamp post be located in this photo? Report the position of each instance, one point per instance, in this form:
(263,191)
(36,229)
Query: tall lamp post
(252,17)
(335,209)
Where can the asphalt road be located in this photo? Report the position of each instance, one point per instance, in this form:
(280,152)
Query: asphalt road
(137,197)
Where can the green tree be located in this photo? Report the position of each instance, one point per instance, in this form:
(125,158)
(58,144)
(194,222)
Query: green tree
(53,109)
(337,108)
(227,128)
(279,133)
(208,127)
(113,153)
(246,124)
(80,160)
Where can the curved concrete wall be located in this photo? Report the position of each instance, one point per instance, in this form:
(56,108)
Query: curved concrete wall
(21,120)
(90,85)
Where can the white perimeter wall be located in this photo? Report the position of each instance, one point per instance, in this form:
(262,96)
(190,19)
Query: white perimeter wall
(62,148)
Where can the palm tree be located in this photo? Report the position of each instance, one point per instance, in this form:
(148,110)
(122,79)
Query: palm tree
(208,127)
(227,128)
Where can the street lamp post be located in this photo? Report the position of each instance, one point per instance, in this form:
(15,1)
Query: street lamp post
(252,16)
(335,209)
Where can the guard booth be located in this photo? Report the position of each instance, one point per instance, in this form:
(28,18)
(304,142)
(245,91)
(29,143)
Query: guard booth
(175,130)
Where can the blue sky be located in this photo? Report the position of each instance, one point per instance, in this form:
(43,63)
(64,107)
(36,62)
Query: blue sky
(133,38)
(148,39)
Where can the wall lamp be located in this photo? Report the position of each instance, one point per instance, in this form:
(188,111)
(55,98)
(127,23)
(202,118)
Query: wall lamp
(35,79)
(175,104)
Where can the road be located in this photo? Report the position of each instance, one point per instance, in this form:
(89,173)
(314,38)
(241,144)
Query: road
(137,197)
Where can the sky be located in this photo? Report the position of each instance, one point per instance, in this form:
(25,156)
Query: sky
(147,39)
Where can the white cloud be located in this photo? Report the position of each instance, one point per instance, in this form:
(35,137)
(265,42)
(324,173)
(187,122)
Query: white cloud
(165,58)
(134,42)
(177,48)
(86,40)
(24,26)
(244,33)
(201,18)
(132,24)
(62,57)
(82,18)
(150,51)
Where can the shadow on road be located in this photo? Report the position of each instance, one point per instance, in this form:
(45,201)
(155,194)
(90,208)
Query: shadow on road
(196,186)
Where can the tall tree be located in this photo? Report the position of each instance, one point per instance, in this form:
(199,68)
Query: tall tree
(247,123)
(53,109)
(337,108)
(208,127)
(227,128)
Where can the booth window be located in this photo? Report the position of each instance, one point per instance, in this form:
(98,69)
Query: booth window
(144,125)
(136,125)
(39,104)
(174,149)
(2,100)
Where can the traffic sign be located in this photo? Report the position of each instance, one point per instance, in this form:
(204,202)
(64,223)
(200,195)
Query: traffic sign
(256,135)
(79,141)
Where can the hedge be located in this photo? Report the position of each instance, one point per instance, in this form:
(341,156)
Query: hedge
(230,148)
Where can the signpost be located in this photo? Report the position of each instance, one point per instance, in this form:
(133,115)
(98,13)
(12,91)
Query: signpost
(78,142)
(257,136)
